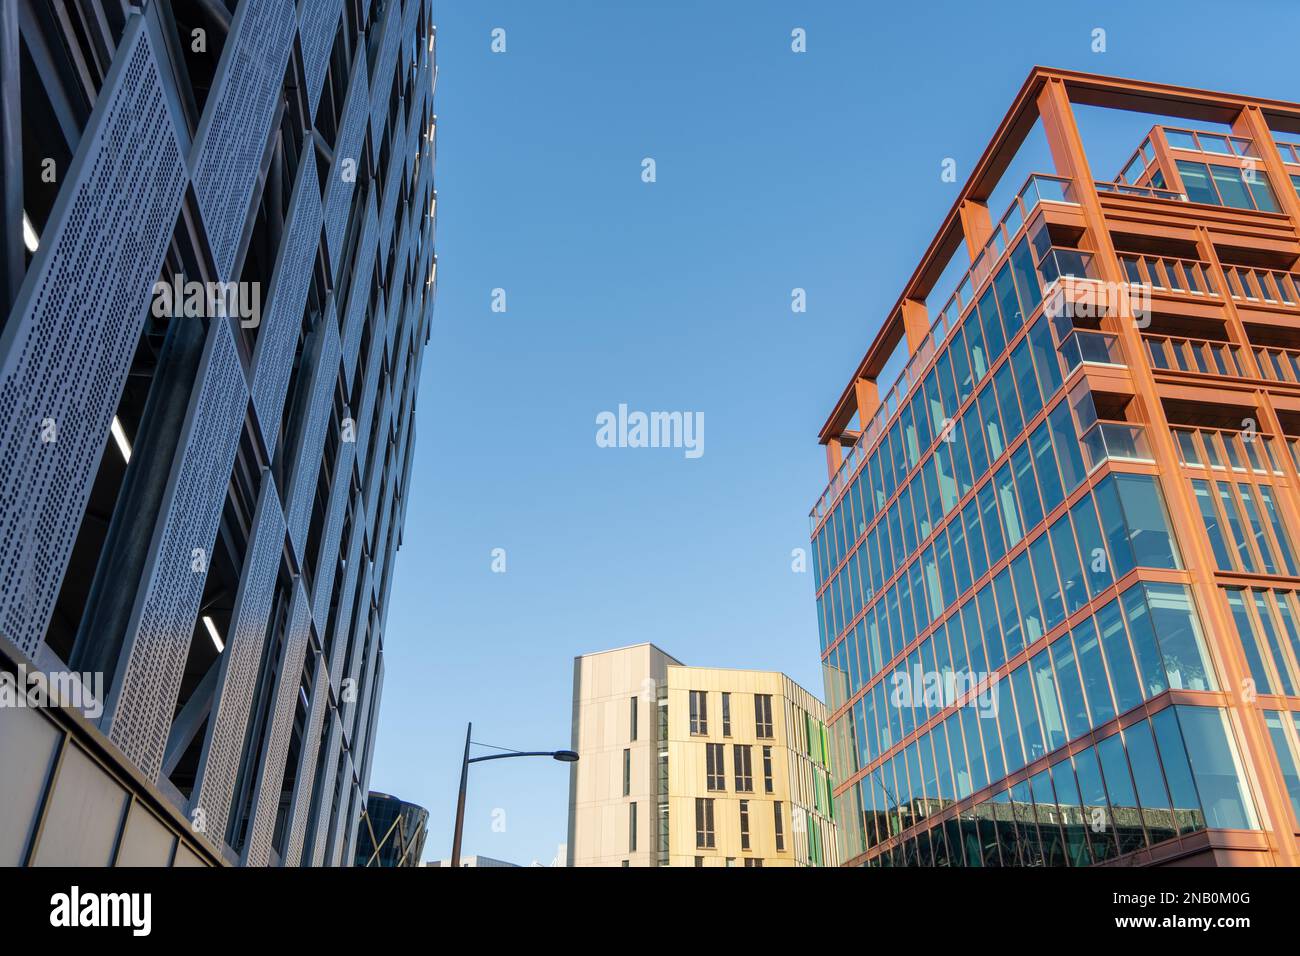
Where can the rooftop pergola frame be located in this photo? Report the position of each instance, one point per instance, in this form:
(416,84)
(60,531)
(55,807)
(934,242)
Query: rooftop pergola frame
(968,220)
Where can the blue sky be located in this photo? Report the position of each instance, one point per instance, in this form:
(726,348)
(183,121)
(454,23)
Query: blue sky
(775,170)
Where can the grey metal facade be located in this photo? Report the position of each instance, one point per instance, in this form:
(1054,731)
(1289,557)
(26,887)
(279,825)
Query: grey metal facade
(199,510)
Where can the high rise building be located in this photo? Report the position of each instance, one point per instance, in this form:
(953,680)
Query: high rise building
(1056,564)
(217,283)
(391,833)
(695,766)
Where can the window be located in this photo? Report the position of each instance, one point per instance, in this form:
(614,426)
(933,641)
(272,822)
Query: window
(767,769)
(1216,768)
(753,861)
(699,861)
(726,714)
(763,715)
(780,826)
(704,838)
(716,777)
(744,824)
(744,768)
(1228,186)
(699,712)
(632,720)
(627,771)
(631,827)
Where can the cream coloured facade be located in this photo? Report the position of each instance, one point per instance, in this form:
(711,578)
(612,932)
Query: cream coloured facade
(718,768)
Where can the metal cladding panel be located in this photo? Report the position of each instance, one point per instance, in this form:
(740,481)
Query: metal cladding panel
(376,468)
(235,127)
(307,460)
(347,808)
(385,506)
(350,142)
(336,517)
(233,700)
(305,779)
(271,777)
(353,668)
(141,705)
(329,788)
(318,22)
(68,344)
(370,387)
(388,207)
(381,80)
(343,620)
(359,292)
(277,341)
(368,744)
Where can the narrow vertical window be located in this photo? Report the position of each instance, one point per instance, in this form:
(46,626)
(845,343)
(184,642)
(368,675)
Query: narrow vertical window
(744,824)
(631,827)
(716,769)
(631,720)
(699,712)
(744,768)
(726,714)
(704,838)
(627,771)
(763,715)
(767,769)
(780,826)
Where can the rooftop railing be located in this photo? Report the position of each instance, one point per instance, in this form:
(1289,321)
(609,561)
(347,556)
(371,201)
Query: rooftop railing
(1146,192)
(1038,188)
(1189,140)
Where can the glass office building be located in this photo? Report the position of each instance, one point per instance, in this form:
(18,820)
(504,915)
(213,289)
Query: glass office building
(391,833)
(1056,564)
(217,283)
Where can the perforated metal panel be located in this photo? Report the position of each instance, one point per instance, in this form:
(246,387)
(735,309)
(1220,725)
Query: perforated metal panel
(271,776)
(235,127)
(367,744)
(237,680)
(138,717)
(370,385)
(347,809)
(329,544)
(347,149)
(277,339)
(329,788)
(359,293)
(343,621)
(67,346)
(306,777)
(307,459)
(375,469)
(381,78)
(388,206)
(318,22)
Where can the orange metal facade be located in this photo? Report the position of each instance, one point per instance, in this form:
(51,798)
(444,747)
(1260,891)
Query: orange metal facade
(1207,380)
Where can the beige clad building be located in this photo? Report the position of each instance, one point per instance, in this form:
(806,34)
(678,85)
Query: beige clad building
(695,766)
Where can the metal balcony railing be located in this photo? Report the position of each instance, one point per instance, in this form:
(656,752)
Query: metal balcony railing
(1173,353)
(1270,286)
(1165,273)
(1114,441)
(1221,449)
(1279,364)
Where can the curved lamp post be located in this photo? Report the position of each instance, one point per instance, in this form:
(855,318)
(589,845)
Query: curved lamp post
(564,756)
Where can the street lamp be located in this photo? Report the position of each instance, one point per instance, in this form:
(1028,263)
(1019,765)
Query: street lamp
(564,756)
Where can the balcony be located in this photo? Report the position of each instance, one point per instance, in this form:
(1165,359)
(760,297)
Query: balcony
(1095,348)
(1167,274)
(1145,192)
(1115,441)
(1197,356)
(1263,286)
(1278,364)
(1219,449)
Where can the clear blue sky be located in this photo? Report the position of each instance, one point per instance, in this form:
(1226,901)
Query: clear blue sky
(775,170)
